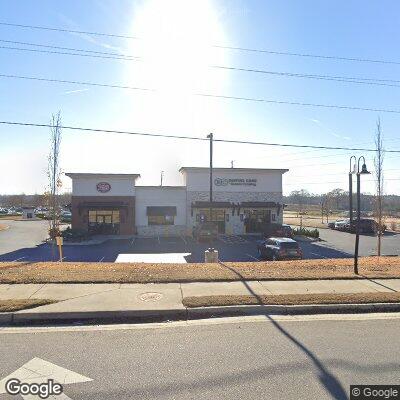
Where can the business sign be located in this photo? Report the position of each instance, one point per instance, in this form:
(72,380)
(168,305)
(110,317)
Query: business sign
(235,182)
(103,187)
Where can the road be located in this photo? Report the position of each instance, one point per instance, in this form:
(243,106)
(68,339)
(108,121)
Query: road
(22,234)
(255,358)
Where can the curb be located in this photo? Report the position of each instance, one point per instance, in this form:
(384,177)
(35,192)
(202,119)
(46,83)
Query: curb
(21,318)
(312,309)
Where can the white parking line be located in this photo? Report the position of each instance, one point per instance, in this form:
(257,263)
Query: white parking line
(254,258)
(101,259)
(133,241)
(19,259)
(183,238)
(318,255)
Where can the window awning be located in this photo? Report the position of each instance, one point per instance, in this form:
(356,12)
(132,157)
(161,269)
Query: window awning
(259,204)
(161,210)
(214,204)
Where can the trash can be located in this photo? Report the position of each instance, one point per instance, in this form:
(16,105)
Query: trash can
(211,255)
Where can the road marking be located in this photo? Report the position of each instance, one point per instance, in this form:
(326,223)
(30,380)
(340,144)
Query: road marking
(40,371)
(158,238)
(318,255)
(133,241)
(19,259)
(101,259)
(254,258)
(184,240)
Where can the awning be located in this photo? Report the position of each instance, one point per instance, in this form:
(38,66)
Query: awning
(259,204)
(103,205)
(214,204)
(161,210)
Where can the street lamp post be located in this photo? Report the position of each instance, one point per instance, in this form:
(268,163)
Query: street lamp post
(363,171)
(351,172)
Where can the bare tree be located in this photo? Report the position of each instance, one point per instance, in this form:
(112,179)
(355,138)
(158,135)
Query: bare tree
(53,173)
(378,163)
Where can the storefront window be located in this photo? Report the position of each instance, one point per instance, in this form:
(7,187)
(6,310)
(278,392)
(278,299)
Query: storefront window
(104,221)
(160,220)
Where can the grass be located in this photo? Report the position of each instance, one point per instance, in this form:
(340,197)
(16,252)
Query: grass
(16,305)
(80,272)
(291,299)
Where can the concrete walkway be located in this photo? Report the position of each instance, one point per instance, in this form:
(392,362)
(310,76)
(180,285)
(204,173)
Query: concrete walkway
(77,301)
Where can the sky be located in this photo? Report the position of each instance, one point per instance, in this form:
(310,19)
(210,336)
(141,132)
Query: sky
(176,55)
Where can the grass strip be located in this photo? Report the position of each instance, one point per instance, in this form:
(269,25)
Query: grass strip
(86,272)
(23,304)
(291,299)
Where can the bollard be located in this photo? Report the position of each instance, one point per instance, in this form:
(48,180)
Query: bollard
(211,255)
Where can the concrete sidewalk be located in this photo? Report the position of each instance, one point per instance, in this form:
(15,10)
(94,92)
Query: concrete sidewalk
(113,301)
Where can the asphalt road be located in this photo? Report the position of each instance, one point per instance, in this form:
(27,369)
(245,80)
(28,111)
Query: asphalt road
(23,241)
(295,358)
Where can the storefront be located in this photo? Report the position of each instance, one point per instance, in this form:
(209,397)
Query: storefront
(244,201)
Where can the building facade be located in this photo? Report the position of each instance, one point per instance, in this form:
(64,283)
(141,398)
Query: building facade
(243,201)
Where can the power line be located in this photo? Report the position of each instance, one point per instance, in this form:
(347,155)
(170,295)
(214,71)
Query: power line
(219,46)
(212,95)
(76,128)
(128,57)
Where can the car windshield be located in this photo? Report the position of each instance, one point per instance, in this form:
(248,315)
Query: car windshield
(289,245)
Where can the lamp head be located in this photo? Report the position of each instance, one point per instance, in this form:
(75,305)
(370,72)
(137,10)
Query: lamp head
(364,170)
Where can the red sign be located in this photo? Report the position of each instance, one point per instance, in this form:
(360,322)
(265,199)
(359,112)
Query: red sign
(103,187)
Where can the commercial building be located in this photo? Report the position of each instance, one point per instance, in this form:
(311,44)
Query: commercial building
(244,200)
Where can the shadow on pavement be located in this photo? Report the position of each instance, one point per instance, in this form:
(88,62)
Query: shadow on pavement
(328,380)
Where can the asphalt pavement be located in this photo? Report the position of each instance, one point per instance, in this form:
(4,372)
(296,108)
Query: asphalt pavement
(265,358)
(24,242)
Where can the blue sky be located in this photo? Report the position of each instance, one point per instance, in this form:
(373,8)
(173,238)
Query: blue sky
(175,47)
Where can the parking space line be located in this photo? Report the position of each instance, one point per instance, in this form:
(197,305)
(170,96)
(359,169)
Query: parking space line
(18,259)
(318,255)
(254,258)
(101,259)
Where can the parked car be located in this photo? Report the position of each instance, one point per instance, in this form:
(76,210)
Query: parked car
(278,230)
(66,216)
(278,248)
(331,225)
(342,224)
(3,211)
(205,230)
(367,225)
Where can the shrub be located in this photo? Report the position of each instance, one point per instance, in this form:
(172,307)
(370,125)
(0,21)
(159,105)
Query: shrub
(74,235)
(314,233)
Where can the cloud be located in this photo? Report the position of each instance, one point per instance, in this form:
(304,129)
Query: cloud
(319,123)
(75,91)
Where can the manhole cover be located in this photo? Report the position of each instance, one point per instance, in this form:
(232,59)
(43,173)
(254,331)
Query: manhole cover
(152,296)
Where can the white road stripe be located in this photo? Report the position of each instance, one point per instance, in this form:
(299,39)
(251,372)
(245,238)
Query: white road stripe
(318,255)
(21,258)
(254,258)
(101,259)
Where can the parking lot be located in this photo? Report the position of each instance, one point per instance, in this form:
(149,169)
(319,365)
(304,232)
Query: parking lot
(24,242)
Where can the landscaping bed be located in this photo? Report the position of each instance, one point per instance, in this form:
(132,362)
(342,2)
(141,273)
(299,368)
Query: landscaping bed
(291,299)
(84,272)
(16,305)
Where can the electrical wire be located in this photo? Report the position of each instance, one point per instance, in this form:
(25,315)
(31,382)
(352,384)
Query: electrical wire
(77,128)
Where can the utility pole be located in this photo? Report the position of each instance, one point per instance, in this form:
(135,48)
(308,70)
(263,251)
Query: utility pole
(351,172)
(211,136)
(232,163)
(162,175)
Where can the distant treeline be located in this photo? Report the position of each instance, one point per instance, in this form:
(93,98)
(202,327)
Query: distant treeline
(338,199)
(35,200)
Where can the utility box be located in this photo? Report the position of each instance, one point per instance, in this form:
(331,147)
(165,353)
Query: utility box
(211,255)
(28,213)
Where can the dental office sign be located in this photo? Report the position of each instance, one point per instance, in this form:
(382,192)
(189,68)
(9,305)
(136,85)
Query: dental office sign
(235,182)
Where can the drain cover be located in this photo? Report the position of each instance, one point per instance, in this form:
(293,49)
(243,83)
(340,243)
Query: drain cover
(151,296)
